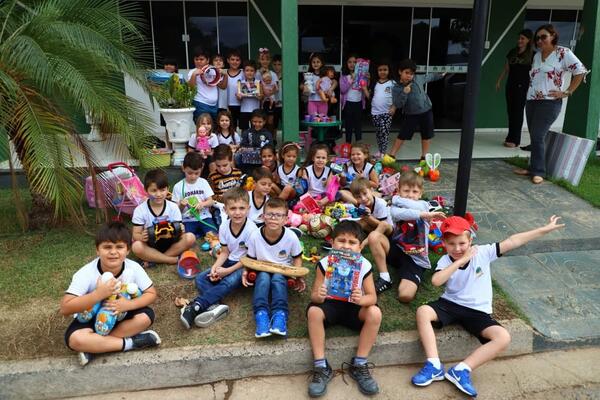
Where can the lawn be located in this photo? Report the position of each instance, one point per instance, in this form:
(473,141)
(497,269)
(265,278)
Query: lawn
(37,267)
(589,186)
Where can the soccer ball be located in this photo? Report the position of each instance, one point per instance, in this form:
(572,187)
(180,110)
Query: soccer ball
(320,226)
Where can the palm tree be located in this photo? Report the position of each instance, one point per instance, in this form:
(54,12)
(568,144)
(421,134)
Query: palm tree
(60,58)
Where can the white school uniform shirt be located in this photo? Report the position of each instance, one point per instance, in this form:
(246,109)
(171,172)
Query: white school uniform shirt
(249,104)
(213,141)
(144,216)
(382,97)
(364,173)
(200,189)
(287,178)
(232,82)
(233,137)
(365,269)
(256,210)
(317,184)
(381,210)
(236,244)
(85,279)
(471,285)
(204,93)
(282,251)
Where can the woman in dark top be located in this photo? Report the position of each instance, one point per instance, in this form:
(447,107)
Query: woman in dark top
(518,64)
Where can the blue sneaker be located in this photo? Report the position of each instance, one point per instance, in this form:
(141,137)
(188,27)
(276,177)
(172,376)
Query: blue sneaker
(262,324)
(428,374)
(279,323)
(462,380)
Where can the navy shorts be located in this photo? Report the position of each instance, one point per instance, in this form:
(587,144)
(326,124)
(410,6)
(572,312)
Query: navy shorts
(406,266)
(340,313)
(200,229)
(417,122)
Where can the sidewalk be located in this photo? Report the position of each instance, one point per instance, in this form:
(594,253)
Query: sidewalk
(545,376)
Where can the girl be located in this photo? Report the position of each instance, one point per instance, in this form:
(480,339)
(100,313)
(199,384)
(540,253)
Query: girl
(225,133)
(315,105)
(382,109)
(287,170)
(219,62)
(358,166)
(352,100)
(268,157)
(317,173)
(278,69)
(248,93)
(204,141)
(234,74)
(271,85)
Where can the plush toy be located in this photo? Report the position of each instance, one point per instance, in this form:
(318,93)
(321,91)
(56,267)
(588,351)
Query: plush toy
(294,219)
(248,183)
(309,85)
(388,161)
(106,319)
(433,162)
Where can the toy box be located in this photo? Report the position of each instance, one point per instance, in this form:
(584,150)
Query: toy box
(342,274)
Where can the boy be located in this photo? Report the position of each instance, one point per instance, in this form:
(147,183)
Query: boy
(113,242)
(263,183)
(376,209)
(226,176)
(406,247)
(467,300)
(234,74)
(276,243)
(226,273)
(410,96)
(253,140)
(248,93)
(165,250)
(195,186)
(361,314)
(207,96)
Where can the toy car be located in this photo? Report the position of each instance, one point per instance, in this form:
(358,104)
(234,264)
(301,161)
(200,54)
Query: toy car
(163,228)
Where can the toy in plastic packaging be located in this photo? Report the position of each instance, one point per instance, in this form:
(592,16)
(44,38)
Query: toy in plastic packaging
(410,236)
(361,74)
(342,274)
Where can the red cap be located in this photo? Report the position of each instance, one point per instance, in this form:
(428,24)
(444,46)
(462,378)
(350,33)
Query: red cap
(455,225)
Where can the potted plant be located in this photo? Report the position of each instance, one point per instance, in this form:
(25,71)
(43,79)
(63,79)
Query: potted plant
(175,99)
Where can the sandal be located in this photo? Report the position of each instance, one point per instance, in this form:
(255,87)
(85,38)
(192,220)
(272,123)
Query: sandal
(537,180)
(521,171)
(509,145)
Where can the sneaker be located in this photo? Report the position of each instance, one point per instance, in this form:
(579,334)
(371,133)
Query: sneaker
(362,376)
(85,358)
(462,380)
(145,339)
(279,323)
(526,148)
(428,374)
(189,313)
(320,378)
(381,285)
(262,324)
(211,315)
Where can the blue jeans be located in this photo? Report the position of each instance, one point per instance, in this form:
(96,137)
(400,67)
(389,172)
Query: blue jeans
(213,293)
(540,116)
(204,108)
(200,229)
(276,285)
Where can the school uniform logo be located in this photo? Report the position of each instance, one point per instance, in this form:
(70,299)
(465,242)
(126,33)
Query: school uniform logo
(243,245)
(282,254)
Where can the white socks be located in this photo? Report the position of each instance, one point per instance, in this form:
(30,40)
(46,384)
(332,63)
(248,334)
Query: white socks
(127,344)
(385,276)
(435,362)
(461,365)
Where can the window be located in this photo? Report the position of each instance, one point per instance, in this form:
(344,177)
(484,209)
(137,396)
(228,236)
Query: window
(450,34)
(142,8)
(201,18)
(319,32)
(535,18)
(233,28)
(167,18)
(420,35)
(565,22)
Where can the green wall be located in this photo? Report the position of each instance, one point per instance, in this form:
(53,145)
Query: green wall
(491,112)
(260,36)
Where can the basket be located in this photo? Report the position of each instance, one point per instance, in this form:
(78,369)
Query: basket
(156,158)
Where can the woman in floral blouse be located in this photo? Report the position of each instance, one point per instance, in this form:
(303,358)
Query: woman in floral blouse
(545,94)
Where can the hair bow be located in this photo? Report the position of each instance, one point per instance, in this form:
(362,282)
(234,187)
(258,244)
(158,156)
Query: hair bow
(263,50)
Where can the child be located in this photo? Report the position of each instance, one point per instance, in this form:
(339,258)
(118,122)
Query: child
(376,209)
(219,62)
(226,273)
(225,176)
(263,180)
(278,70)
(467,300)
(205,140)
(382,108)
(195,186)
(407,246)
(325,85)
(361,314)
(269,158)
(276,243)
(269,89)
(253,140)
(207,96)
(353,101)
(226,134)
(248,93)
(287,172)
(409,95)
(315,105)
(170,66)
(164,251)
(234,74)
(316,172)
(113,242)
(358,166)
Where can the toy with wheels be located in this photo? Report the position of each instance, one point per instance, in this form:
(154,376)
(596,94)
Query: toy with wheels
(273,268)
(361,74)
(163,228)
(187,267)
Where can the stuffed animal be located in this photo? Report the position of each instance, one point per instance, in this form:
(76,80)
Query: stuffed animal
(309,82)
(294,219)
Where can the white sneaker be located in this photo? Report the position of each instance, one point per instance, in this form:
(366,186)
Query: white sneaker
(211,315)
(85,358)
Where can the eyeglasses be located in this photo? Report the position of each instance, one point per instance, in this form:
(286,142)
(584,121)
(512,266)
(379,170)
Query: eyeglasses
(541,37)
(274,215)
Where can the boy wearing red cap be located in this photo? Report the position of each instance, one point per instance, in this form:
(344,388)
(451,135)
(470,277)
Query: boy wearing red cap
(467,300)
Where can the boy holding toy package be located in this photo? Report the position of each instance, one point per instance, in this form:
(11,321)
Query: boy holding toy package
(375,209)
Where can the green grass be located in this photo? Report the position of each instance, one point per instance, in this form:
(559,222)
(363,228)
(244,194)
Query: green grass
(37,267)
(589,186)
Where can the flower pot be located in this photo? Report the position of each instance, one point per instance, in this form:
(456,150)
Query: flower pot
(180,125)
